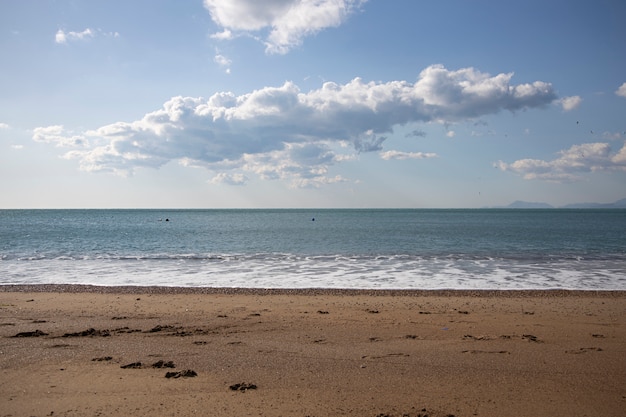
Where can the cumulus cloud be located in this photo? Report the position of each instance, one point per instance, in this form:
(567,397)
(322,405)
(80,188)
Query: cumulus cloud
(571,163)
(621,91)
(284,133)
(570,103)
(288,21)
(4,126)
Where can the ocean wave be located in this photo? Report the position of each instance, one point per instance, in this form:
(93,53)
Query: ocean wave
(280,270)
(539,257)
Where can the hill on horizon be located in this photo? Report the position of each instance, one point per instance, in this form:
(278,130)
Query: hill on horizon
(518,204)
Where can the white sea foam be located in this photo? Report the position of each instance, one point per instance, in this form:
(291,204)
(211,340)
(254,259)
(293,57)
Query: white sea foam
(319,272)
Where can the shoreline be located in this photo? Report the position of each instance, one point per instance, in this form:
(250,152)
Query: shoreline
(139,289)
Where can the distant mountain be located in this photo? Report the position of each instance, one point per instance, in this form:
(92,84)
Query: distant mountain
(527,205)
(618,204)
(530,205)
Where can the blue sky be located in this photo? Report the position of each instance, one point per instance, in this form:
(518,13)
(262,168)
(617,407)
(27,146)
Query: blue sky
(298,103)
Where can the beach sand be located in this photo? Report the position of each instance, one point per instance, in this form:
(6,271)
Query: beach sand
(140,351)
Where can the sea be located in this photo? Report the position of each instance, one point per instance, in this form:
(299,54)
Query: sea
(492,249)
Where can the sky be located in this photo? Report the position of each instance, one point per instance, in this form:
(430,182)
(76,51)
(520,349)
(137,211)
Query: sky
(311,103)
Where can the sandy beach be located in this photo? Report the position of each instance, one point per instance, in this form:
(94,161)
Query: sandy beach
(143,351)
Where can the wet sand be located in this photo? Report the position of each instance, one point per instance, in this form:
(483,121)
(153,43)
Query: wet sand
(138,351)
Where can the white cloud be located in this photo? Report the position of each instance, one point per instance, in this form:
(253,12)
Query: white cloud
(450,133)
(58,136)
(621,91)
(406,155)
(317,182)
(230,179)
(283,133)
(4,126)
(570,103)
(587,157)
(303,165)
(288,21)
(223,62)
(63,37)
(223,35)
(470,93)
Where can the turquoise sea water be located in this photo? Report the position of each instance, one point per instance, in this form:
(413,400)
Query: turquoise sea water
(398,249)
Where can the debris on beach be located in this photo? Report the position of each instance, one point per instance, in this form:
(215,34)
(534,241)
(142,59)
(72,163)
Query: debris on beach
(163,364)
(89,332)
(243,387)
(134,365)
(181,374)
(35,333)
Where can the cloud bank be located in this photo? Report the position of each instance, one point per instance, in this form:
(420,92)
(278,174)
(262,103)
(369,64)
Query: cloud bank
(283,133)
(571,163)
(288,21)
